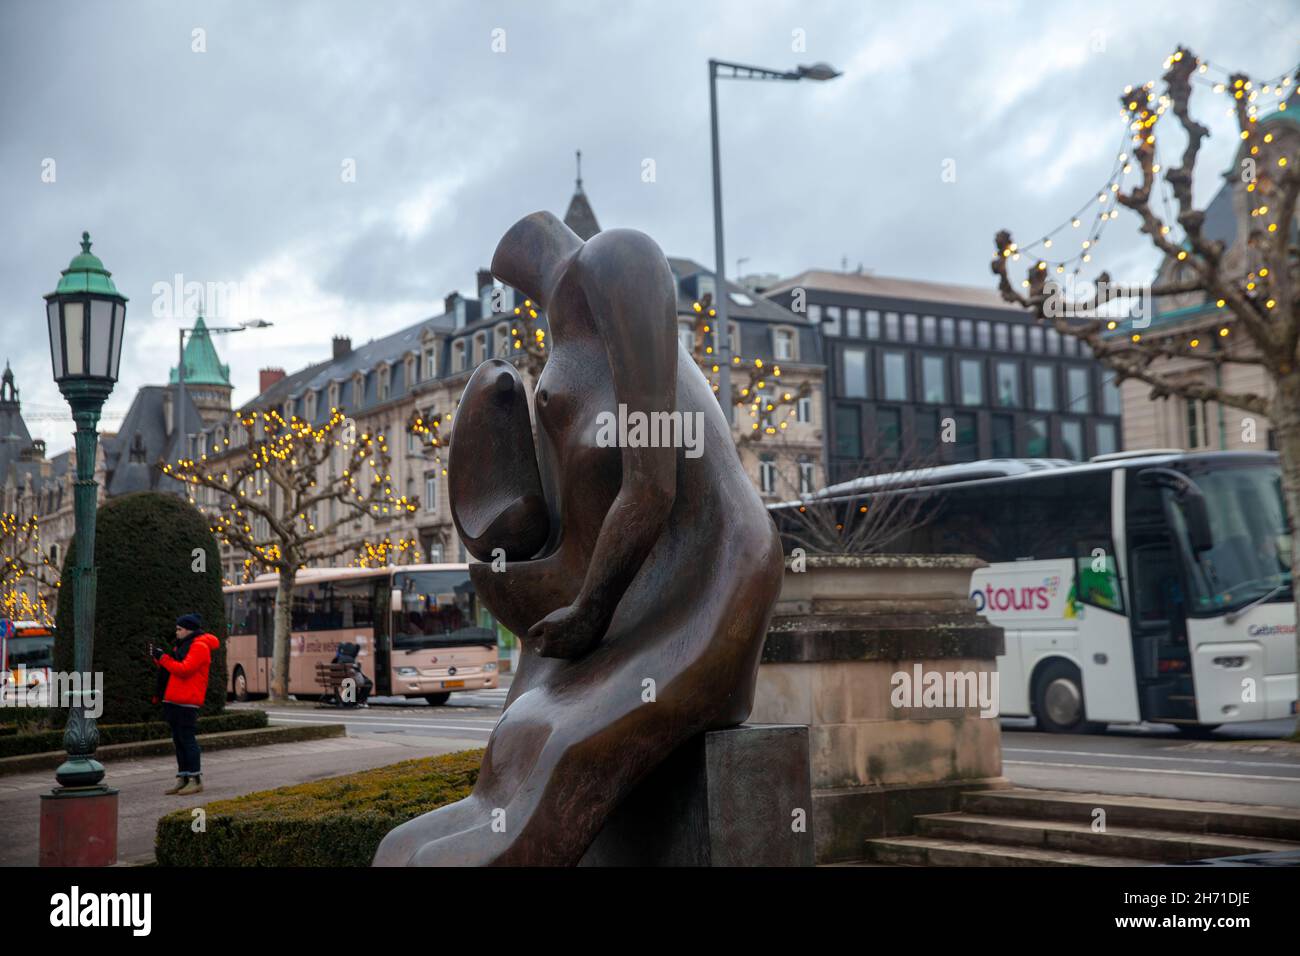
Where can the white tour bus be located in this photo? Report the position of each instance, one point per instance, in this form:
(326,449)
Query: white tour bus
(1140,586)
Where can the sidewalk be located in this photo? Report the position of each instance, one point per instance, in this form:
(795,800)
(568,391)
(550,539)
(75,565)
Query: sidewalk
(225,774)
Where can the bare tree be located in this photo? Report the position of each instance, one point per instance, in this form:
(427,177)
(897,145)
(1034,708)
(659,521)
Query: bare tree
(1254,285)
(25,566)
(284,495)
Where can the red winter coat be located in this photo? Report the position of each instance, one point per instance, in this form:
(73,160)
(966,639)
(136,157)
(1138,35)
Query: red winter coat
(188,681)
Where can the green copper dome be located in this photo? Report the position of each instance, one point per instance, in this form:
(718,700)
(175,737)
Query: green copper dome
(202,365)
(85,273)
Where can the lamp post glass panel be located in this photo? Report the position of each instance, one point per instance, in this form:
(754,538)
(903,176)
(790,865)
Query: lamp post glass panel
(85,315)
(736,71)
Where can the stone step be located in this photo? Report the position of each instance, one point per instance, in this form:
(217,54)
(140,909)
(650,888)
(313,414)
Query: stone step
(931,851)
(1159,813)
(1165,846)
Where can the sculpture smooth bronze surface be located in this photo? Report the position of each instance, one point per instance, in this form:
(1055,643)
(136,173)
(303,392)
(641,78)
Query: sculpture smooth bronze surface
(644,588)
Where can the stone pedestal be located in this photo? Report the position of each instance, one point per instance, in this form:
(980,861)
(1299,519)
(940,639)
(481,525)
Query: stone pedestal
(737,797)
(79,827)
(840,633)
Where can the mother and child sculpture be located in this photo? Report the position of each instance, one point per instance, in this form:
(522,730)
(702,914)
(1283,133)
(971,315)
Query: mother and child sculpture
(640,578)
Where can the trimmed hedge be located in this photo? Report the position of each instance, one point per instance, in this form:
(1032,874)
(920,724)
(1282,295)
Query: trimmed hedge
(339,821)
(12,745)
(144,553)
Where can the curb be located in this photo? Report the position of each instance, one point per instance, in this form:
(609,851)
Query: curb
(227,740)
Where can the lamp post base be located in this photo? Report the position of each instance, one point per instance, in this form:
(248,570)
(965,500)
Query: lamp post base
(79,827)
(79,772)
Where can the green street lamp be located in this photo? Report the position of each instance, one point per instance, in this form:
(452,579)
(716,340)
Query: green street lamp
(86,315)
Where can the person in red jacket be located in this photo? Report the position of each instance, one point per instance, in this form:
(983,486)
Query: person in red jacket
(183,683)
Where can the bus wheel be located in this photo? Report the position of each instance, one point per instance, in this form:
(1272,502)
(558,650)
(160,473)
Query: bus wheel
(1198,731)
(437,700)
(1058,699)
(240,684)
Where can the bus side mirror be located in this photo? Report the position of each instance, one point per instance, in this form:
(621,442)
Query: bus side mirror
(1198,521)
(1190,501)
(395,600)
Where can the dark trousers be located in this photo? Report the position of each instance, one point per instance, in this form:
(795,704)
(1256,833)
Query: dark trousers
(184,722)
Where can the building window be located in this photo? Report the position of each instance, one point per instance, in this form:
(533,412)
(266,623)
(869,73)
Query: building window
(480,348)
(873,324)
(1008,384)
(1053,341)
(853,323)
(929,329)
(503,340)
(1044,388)
(1018,338)
(1004,436)
(848,432)
(855,373)
(972,382)
(911,330)
(891,326)
(947,331)
(1110,395)
(1001,337)
(968,446)
(334,395)
(1105,438)
(926,426)
(385,381)
(1072,438)
(889,429)
(413,443)
(815,316)
(966,333)
(895,364)
(686,336)
(1196,425)
(458,356)
(431,492)
(833,319)
(733,338)
(983,335)
(1035,339)
(1036,445)
(1076,387)
(767,475)
(934,385)
(803,409)
(358,391)
(430,364)
(1070,345)
(807,476)
(784,341)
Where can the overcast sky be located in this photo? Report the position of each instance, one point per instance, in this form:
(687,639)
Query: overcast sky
(225,155)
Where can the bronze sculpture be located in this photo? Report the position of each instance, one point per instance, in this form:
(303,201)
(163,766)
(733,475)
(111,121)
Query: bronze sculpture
(641,578)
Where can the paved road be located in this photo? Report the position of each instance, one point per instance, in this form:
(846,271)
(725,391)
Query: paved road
(1244,764)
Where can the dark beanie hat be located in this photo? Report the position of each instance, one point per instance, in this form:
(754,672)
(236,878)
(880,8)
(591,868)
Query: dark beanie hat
(191,622)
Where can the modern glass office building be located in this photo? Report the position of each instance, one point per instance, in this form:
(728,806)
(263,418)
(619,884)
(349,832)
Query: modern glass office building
(922,372)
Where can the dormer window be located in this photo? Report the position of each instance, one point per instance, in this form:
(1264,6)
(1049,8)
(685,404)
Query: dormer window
(385,382)
(458,355)
(783,345)
(504,343)
(358,389)
(480,347)
(309,406)
(334,394)
(430,363)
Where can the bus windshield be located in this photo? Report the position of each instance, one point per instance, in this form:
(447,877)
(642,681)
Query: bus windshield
(1251,555)
(438,610)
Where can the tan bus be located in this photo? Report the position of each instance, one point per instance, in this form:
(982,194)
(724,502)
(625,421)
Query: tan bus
(420,627)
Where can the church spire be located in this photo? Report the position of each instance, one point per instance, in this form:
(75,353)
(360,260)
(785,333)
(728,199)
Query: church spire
(580,217)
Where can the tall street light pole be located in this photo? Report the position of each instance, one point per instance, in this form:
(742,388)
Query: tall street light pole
(721,69)
(180,368)
(85,315)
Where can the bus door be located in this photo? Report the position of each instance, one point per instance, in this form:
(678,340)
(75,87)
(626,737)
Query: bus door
(265,638)
(383,638)
(1159,626)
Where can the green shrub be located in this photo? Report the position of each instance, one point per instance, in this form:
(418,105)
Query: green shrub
(44,741)
(144,554)
(339,821)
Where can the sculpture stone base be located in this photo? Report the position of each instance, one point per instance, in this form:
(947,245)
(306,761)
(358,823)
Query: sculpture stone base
(737,797)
